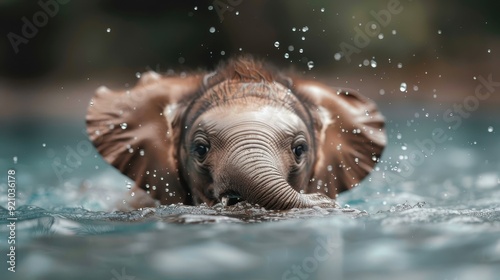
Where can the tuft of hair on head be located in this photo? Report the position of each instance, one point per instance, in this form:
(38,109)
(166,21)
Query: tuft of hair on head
(244,68)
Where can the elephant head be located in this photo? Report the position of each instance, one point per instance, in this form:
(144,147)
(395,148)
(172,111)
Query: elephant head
(244,132)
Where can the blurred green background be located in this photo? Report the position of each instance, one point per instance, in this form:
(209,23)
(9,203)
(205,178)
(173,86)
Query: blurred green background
(435,47)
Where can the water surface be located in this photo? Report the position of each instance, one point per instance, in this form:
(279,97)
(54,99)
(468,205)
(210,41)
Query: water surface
(437,219)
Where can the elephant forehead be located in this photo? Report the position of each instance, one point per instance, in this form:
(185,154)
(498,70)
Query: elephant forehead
(227,118)
(239,93)
(235,97)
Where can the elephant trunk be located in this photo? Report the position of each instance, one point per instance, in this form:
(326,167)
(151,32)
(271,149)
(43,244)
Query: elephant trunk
(271,191)
(256,177)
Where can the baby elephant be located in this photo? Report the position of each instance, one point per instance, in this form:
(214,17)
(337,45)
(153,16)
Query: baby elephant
(243,132)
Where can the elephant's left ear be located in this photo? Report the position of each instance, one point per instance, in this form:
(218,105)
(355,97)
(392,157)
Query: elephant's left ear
(350,135)
(138,131)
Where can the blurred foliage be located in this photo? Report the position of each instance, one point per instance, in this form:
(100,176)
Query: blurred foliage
(160,35)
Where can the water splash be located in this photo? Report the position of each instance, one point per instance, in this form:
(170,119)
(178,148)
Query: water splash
(310,65)
(403,87)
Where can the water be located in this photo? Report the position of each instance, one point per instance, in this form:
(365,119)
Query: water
(435,218)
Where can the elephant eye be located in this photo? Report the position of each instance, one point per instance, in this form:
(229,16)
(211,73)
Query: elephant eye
(299,150)
(200,150)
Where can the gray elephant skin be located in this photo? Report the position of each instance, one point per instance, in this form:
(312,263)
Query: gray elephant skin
(244,132)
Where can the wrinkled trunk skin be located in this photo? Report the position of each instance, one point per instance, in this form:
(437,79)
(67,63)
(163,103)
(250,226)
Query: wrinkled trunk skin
(255,174)
(266,188)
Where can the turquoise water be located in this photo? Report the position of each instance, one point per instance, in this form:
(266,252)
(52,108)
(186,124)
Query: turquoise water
(435,217)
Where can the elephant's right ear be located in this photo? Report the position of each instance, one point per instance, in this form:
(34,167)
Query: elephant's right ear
(138,131)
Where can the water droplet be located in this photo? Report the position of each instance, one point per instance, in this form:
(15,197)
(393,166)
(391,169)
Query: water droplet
(415,88)
(490,128)
(128,185)
(373,63)
(108,30)
(374,158)
(212,29)
(381,91)
(394,32)
(141,152)
(322,10)
(222,52)
(310,65)
(402,87)
(123,125)
(305,29)
(400,65)
(489,51)
(439,32)
(366,62)
(301,50)
(294,29)
(210,7)
(399,136)
(329,168)
(404,148)
(287,55)
(14,159)
(138,75)
(337,56)
(44,145)
(277,44)
(290,48)
(381,36)
(196,8)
